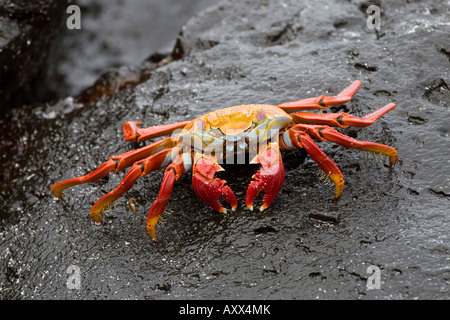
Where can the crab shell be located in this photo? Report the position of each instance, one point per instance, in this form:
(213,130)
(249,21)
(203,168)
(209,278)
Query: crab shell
(234,130)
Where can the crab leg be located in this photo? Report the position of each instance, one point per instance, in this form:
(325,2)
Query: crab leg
(131,131)
(208,188)
(180,165)
(115,163)
(342,119)
(322,102)
(269,178)
(326,133)
(298,139)
(139,169)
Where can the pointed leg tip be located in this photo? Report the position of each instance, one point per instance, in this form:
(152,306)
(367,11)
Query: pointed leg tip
(338,194)
(98,220)
(262,208)
(250,207)
(96,216)
(393,160)
(150,226)
(56,192)
(59,196)
(152,234)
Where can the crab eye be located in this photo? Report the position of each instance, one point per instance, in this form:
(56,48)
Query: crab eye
(260,115)
(200,124)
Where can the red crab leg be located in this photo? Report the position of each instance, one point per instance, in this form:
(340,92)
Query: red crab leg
(326,133)
(115,163)
(181,164)
(208,188)
(322,102)
(131,131)
(269,178)
(300,139)
(342,119)
(139,169)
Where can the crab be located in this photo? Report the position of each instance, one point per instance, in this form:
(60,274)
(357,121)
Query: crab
(255,131)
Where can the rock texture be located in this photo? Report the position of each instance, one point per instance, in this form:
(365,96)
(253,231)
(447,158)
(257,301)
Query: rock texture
(306,245)
(28,30)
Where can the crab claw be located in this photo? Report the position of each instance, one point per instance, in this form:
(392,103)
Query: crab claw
(269,178)
(208,188)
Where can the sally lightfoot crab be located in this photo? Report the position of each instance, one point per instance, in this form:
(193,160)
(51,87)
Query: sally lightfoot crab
(258,131)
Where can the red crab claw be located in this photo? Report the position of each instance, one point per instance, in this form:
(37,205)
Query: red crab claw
(208,188)
(269,178)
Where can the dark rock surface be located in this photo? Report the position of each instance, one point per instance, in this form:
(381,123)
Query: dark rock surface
(306,245)
(116,33)
(27,30)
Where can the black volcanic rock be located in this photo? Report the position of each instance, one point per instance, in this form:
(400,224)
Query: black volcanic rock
(306,245)
(28,30)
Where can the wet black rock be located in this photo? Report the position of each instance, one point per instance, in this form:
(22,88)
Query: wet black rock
(28,30)
(113,34)
(306,245)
